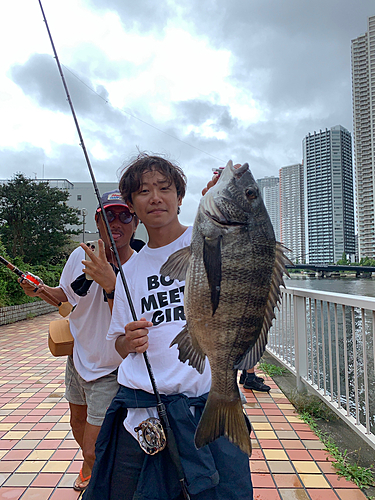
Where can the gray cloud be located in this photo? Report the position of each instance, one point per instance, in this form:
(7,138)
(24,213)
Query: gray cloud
(144,16)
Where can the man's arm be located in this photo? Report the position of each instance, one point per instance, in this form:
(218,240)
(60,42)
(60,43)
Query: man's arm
(56,292)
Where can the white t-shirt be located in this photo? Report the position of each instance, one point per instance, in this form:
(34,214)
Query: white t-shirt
(159,300)
(93,355)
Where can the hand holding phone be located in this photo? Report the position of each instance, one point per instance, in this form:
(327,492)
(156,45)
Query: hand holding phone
(94,246)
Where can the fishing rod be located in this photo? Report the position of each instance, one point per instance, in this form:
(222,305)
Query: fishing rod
(31,279)
(162,413)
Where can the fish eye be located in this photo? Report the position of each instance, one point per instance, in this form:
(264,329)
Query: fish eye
(251,193)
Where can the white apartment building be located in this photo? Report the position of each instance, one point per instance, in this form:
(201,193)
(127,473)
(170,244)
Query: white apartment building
(269,188)
(329,200)
(292,210)
(363,93)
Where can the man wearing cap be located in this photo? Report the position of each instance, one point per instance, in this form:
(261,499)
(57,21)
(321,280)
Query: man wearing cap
(91,373)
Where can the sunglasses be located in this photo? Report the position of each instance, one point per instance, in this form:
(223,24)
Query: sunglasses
(125,217)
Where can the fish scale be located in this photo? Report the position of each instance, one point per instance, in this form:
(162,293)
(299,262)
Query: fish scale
(233,270)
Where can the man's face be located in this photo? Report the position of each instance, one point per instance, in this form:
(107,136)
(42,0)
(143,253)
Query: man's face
(121,231)
(156,203)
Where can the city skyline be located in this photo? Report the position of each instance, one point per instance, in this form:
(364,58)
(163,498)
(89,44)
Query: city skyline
(200,83)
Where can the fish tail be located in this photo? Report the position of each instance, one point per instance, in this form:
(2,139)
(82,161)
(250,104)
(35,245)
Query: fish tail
(223,417)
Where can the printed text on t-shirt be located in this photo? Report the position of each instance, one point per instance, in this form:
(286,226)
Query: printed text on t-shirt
(158,301)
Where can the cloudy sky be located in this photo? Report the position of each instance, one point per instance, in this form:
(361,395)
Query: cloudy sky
(200,81)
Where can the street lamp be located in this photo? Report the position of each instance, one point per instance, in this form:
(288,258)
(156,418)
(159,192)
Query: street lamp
(84,213)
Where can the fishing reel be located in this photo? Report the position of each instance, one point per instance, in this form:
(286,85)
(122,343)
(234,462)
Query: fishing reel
(151,436)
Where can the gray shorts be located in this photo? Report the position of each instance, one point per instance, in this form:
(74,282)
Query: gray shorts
(97,395)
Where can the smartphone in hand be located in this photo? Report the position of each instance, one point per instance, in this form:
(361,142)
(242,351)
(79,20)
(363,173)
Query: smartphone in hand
(94,246)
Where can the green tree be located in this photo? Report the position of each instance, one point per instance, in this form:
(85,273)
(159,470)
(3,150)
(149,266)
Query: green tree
(344,261)
(34,219)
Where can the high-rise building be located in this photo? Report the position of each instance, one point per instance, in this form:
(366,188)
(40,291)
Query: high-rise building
(269,188)
(292,218)
(329,200)
(363,91)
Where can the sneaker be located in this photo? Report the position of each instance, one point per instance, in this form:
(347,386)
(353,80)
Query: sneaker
(243,377)
(255,385)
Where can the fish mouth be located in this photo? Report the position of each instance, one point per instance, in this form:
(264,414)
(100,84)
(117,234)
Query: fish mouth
(223,221)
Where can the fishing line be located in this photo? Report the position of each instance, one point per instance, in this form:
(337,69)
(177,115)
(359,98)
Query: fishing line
(123,111)
(171,443)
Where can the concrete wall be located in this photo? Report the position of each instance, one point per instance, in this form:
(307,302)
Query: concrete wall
(11,314)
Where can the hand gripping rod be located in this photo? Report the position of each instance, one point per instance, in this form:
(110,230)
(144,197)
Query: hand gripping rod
(171,443)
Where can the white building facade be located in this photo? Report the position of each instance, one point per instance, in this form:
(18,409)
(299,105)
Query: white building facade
(269,188)
(363,94)
(292,211)
(329,198)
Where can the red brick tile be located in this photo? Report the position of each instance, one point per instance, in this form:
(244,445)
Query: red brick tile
(300,427)
(10,493)
(49,444)
(254,411)
(37,494)
(69,444)
(273,412)
(307,435)
(321,455)
(31,418)
(16,455)
(262,480)
(322,494)
(257,454)
(339,482)
(266,494)
(43,426)
(326,467)
(64,455)
(270,444)
(47,480)
(351,494)
(7,444)
(75,467)
(299,455)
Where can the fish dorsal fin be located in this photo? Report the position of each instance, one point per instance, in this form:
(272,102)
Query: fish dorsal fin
(189,350)
(212,264)
(253,355)
(177,264)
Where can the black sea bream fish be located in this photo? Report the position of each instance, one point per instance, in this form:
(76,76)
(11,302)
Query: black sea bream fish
(233,270)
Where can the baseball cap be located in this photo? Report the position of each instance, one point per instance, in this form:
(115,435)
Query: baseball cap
(112,198)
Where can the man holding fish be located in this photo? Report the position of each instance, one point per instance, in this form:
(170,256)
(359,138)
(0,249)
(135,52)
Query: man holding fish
(228,299)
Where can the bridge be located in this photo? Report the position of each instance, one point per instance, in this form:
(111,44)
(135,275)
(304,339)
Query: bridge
(325,270)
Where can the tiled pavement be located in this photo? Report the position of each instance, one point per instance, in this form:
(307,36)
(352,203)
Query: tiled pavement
(40,459)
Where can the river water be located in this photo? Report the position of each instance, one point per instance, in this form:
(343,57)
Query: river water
(352,286)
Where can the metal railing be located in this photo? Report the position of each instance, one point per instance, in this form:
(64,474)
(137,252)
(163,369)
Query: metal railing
(328,341)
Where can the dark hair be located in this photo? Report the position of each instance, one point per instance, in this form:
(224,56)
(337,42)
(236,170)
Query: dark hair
(131,177)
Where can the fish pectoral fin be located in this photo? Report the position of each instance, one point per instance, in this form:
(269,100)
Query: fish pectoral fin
(189,350)
(212,265)
(177,264)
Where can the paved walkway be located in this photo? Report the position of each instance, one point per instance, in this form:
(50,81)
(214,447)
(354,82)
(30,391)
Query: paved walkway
(40,459)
